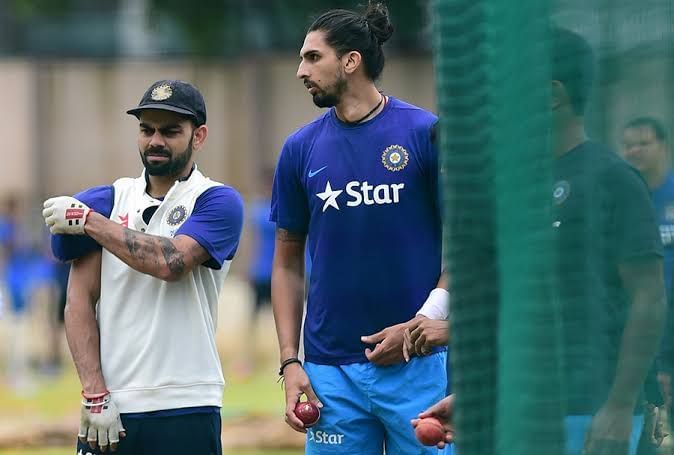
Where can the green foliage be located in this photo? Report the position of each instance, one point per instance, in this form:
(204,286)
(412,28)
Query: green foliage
(210,28)
(216,27)
(24,9)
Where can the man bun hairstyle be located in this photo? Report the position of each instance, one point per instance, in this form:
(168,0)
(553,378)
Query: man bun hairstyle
(378,21)
(364,32)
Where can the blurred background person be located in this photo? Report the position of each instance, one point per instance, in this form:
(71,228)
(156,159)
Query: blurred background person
(645,146)
(29,278)
(262,232)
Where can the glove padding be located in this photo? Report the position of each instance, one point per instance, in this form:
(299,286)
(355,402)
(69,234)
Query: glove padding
(99,420)
(65,215)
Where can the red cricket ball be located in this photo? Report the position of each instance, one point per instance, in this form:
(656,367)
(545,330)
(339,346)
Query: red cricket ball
(308,413)
(429,431)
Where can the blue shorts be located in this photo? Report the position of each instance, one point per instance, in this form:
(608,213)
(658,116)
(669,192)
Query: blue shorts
(197,434)
(368,407)
(576,427)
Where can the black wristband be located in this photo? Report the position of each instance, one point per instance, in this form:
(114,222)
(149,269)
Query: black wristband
(287,362)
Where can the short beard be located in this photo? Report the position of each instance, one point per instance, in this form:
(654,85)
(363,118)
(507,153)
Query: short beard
(331,96)
(175,165)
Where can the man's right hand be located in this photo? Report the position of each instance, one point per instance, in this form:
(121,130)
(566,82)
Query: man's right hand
(443,410)
(296,383)
(100,423)
(65,215)
(422,335)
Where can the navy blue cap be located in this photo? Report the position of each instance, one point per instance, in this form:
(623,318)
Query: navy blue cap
(175,96)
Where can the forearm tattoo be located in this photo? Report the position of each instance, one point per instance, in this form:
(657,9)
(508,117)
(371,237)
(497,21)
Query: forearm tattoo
(174,258)
(146,247)
(284,235)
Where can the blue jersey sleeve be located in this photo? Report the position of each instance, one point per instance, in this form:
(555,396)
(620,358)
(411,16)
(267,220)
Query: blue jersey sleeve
(435,169)
(216,223)
(289,208)
(69,247)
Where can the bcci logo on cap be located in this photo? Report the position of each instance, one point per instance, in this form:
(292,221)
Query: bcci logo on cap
(395,158)
(177,215)
(161,92)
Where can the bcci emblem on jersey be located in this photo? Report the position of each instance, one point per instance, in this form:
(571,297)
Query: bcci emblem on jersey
(395,158)
(561,191)
(177,215)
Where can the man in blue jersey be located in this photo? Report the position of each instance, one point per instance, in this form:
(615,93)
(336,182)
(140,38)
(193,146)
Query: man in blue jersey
(149,256)
(358,185)
(645,146)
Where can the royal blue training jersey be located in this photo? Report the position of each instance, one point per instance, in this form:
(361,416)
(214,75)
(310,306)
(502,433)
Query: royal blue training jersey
(366,197)
(663,200)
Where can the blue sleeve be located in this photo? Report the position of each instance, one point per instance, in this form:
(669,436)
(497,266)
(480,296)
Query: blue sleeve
(435,170)
(289,208)
(216,223)
(69,247)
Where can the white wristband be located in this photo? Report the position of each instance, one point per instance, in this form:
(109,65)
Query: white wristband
(436,305)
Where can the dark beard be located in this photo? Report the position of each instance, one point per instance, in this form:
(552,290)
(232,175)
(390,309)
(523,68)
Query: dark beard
(174,166)
(330,99)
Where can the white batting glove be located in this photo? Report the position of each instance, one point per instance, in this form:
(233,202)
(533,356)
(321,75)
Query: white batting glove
(65,215)
(99,420)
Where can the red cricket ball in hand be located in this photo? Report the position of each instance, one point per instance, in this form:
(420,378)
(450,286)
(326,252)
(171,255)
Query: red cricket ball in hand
(308,413)
(429,431)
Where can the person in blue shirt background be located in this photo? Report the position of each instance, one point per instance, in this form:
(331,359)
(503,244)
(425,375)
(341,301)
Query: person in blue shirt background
(645,146)
(359,187)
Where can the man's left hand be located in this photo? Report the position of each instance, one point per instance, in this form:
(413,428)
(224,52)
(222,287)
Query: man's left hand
(388,345)
(65,215)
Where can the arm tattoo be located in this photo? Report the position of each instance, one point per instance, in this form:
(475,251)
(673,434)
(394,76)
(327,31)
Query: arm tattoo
(145,247)
(283,235)
(174,259)
(132,242)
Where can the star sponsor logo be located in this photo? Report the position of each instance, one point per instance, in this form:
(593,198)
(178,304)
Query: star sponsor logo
(359,193)
(124,220)
(324,437)
(329,196)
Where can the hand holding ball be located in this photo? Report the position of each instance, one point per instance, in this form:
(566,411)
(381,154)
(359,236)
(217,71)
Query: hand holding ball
(429,431)
(308,413)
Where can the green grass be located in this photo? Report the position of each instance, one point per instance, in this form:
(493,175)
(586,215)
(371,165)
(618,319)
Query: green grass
(60,397)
